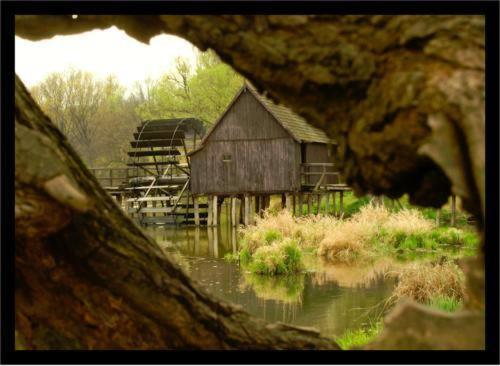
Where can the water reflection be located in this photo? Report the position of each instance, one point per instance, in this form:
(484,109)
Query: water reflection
(332,298)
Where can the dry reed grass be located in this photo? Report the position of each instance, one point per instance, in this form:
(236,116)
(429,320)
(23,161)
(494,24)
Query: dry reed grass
(424,281)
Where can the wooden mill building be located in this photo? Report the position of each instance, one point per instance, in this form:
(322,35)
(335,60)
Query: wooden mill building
(259,148)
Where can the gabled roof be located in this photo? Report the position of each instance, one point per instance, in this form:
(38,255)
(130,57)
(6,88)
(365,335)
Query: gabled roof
(295,125)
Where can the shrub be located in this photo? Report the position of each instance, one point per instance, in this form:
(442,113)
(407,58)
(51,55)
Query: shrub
(277,258)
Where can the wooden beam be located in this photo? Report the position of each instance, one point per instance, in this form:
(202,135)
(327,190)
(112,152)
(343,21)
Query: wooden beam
(233,211)
(288,202)
(246,210)
(215,214)
(210,211)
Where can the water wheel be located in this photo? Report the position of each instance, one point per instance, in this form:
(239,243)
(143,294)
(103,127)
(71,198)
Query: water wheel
(159,171)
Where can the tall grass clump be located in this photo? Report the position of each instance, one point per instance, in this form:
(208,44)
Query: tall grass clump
(359,337)
(371,232)
(445,303)
(425,282)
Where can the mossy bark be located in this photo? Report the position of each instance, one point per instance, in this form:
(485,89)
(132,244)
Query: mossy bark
(402,95)
(88,278)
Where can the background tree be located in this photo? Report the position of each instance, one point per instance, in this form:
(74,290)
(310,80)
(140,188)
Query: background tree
(203,92)
(72,99)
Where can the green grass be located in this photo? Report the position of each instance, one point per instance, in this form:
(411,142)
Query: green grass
(359,337)
(276,257)
(445,303)
(435,239)
(272,235)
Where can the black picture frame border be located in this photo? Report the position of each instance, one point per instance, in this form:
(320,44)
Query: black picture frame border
(9,9)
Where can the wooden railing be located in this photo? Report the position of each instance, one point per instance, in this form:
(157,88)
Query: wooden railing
(115,177)
(318,174)
(111,177)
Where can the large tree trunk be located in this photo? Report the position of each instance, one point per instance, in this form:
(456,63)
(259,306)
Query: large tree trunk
(403,96)
(88,277)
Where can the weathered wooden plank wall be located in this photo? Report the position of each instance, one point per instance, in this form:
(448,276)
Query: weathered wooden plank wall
(318,153)
(248,152)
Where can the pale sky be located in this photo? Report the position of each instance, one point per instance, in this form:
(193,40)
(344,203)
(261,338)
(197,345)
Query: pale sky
(101,52)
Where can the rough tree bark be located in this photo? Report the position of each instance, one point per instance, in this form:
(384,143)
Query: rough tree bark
(403,95)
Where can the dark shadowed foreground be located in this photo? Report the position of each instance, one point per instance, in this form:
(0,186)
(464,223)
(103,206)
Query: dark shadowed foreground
(403,96)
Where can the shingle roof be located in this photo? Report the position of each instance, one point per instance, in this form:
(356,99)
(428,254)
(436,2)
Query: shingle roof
(293,123)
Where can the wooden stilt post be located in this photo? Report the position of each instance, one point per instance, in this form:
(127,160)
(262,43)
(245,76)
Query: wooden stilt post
(341,203)
(294,209)
(301,203)
(288,202)
(327,204)
(233,241)
(242,210)
(320,198)
(258,206)
(453,209)
(334,203)
(210,211)
(283,201)
(233,211)
(309,203)
(246,210)
(196,211)
(215,214)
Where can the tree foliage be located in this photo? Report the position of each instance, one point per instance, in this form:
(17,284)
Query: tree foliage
(98,116)
(202,91)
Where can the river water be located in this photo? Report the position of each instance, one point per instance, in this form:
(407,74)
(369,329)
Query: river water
(332,298)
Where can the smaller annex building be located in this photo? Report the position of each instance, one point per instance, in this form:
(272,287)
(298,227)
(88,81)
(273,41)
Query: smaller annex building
(258,147)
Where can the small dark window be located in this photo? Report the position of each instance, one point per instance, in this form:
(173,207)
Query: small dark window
(226,158)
